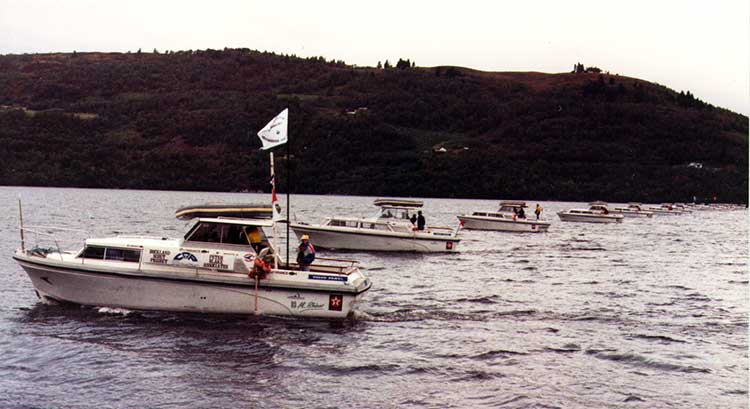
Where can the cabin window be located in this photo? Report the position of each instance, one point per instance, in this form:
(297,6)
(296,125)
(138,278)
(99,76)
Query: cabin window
(337,223)
(93,252)
(206,232)
(123,255)
(235,234)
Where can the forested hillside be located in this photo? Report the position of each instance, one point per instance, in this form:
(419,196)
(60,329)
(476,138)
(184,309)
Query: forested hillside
(187,121)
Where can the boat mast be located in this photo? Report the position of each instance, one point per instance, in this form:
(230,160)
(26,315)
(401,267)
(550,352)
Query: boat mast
(20,217)
(288,188)
(273,209)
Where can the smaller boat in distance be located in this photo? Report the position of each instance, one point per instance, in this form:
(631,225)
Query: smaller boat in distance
(390,230)
(596,213)
(665,209)
(506,218)
(633,210)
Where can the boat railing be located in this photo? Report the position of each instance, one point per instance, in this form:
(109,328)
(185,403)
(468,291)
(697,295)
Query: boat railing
(36,232)
(345,266)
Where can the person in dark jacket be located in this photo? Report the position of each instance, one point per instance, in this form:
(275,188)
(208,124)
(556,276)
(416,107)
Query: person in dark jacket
(413,219)
(420,221)
(305,253)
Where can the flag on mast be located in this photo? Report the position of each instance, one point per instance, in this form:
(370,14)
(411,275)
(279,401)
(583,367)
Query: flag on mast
(275,132)
(275,201)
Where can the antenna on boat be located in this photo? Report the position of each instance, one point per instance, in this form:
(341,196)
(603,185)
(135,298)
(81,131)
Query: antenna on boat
(20,217)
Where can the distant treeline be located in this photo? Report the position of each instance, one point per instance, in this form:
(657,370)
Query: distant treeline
(187,120)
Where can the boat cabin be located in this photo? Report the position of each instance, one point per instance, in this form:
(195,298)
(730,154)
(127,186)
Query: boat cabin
(362,224)
(635,206)
(228,233)
(511,207)
(396,213)
(598,207)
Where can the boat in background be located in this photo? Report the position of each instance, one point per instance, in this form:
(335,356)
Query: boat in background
(665,209)
(596,213)
(389,230)
(634,209)
(506,218)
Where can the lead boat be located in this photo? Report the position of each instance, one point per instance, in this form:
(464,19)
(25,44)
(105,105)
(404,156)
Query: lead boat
(389,230)
(504,219)
(221,265)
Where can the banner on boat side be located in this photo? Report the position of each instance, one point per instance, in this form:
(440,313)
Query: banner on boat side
(275,132)
(187,258)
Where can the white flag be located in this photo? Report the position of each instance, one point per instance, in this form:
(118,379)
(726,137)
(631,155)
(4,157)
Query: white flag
(274,133)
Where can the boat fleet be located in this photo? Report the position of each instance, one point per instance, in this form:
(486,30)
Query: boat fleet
(229,260)
(228,263)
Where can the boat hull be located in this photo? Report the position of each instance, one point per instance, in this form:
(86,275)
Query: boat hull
(582,218)
(340,239)
(632,213)
(102,289)
(497,224)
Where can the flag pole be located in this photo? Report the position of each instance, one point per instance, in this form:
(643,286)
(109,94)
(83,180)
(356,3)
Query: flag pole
(288,188)
(273,210)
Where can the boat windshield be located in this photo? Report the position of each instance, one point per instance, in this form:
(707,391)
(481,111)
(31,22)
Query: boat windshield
(394,213)
(224,233)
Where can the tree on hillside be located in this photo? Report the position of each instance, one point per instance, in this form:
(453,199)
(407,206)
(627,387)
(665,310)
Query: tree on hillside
(403,64)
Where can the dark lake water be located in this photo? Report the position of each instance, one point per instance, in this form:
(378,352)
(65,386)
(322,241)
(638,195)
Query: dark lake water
(643,314)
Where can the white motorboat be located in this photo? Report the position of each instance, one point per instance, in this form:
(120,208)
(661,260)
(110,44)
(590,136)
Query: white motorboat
(390,230)
(665,209)
(596,213)
(506,218)
(633,210)
(213,269)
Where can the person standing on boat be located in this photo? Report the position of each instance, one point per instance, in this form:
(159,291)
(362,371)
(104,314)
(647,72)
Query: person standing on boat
(413,219)
(521,213)
(420,221)
(538,211)
(305,253)
(254,237)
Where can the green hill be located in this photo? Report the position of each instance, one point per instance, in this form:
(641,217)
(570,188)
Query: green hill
(187,121)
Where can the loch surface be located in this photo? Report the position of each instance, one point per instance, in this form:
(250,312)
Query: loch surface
(650,313)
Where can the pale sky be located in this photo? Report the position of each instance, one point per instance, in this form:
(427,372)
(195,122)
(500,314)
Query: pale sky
(697,46)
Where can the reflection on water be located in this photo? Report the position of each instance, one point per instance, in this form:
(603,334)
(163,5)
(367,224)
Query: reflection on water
(647,313)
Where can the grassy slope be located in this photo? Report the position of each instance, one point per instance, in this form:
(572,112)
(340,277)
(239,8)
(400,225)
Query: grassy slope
(187,121)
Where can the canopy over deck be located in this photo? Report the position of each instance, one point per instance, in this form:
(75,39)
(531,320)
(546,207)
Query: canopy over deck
(513,204)
(398,203)
(238,210)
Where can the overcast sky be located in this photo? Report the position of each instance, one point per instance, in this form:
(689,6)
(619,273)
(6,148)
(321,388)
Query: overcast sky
(701,46)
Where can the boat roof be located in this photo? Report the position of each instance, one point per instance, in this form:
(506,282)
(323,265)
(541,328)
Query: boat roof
(236,220)
(513,203)
(598,203)
(239,210)
(398,203)
(125,241)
